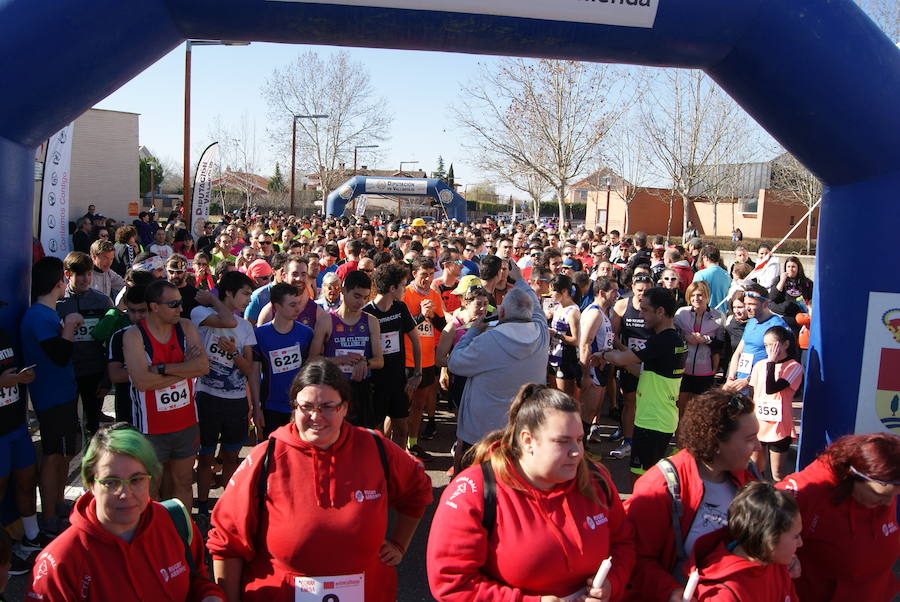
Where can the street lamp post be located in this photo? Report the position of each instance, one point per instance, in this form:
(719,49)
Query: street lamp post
(152,186)
(606,215)
(355,148)
(186,181)
(402,163)
(294,151)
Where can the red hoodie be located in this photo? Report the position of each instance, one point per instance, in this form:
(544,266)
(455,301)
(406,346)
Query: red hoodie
(726,577)
(545,542)
(848,550)
(87,562)
(325,513)
(650,511)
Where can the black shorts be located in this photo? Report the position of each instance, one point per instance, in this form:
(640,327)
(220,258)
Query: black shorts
(600,376)
(696,384)
(60,431)
(362,410)
(627,381)
(390,399)
(782,446)
(429,376)
(647,448)
(222,421)
(273,421)
(568,371)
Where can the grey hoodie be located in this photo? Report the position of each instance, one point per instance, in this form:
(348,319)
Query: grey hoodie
(497,363)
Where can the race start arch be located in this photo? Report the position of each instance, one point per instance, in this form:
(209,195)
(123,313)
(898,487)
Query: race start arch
(819,76)
(454,205)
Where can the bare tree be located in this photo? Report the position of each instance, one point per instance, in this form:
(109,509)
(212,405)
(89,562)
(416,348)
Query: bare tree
(886,14)
(627,153)
(332,85)
(788,174)
(690,126)
(238,156)
(545,117)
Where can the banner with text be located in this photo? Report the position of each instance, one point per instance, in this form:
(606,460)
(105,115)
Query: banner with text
(626,13)
(54,225)
(878,406)
(202,191)
(396,186)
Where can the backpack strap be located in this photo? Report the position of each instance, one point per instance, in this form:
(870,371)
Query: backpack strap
(262,483)
(673,484)
(182,520)
(489,490)
(383,455)
(598,476)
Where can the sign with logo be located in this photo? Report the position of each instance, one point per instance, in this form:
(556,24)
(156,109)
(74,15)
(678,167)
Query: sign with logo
(54,231)
(202,192)
(878,405)
(627,13)
(396,186)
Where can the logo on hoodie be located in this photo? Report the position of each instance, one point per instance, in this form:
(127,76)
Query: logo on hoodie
(595,521)
(889,528)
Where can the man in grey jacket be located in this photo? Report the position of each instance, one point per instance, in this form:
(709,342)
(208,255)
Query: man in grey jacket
(498,361)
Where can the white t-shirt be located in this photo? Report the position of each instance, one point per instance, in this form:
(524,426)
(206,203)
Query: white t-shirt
(164,251)
(224,379)
(712,513)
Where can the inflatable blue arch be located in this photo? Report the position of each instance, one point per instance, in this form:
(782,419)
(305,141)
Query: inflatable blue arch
(454,205)
(819,76)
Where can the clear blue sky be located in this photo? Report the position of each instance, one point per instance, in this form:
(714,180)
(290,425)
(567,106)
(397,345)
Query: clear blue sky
(227,82)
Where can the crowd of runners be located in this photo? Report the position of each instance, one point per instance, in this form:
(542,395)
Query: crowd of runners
(326,344)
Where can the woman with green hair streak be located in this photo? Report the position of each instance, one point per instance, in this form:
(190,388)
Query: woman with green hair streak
(123,545)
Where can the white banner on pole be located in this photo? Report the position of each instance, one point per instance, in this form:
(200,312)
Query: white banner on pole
(54,226)
(202,191)
(362,201)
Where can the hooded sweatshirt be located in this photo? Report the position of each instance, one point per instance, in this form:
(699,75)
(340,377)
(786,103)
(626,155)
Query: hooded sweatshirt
(87,562)
(727,577)
(544,542)
(325,513)
(497,363)
(848,549)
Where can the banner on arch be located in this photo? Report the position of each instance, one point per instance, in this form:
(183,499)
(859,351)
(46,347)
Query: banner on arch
(201,196)
(54,223)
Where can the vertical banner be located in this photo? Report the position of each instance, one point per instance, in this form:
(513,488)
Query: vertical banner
(202,191)
(362,201)
(878,406)
(54,224)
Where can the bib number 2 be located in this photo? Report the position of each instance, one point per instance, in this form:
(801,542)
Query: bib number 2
(339,588)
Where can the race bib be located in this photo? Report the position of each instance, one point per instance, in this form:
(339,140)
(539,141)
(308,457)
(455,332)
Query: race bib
(610,337)
(346,368)
(285,359)
(390,342)
(768,410)
(173,397)
(745,363)
(636,344)
(83,332)
(218,355)
(425,329)
(8,395)
(339,588)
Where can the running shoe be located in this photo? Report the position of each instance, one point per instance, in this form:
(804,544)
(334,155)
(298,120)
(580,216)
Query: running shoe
(420,452)
(616,434)
(594,434)
(38,543)
(429,431)
(20,561)
(623,451)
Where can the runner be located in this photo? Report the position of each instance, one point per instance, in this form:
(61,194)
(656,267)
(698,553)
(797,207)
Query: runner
(222,399)
(392,389)
(451,268)
(163,356)
(564,335)
(294,272)
(595,335)
(136,310)
(177,274)
(282,346)
(104,279)
(351,339)
(701,326)
(752,348)
(261,296)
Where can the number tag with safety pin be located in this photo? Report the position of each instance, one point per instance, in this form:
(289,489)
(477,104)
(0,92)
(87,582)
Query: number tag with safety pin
(173,397)
(339,588)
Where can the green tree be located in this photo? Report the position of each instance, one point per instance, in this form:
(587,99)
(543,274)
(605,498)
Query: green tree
(450,177)
(276,182)
(159,174)
(440,173)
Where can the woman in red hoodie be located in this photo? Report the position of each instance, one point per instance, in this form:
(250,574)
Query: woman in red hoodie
(848,499)
(748,560)
(718,436)
(121,545)
(554,517)
(305,514)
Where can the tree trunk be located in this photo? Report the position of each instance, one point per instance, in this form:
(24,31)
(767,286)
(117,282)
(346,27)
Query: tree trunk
(537,211)
(627,217)
(715,206)
(686,204)
(669,222)
(808,232)
(560,197)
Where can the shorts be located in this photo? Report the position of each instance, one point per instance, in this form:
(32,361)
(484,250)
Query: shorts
(457,387)
(60,431)
(177,445)
(781,446)
(222,421)
(599,376)
(568,371)
(390,399)
(647,448)
(627,381)
(429,376)
(16,451)
(274,420)
(362,410)
(696,384)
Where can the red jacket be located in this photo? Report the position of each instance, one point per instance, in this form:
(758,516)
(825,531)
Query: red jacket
(685,274)
(325,514)
(87,562)
(848,550)
(725,577)
(650,511)
(545,542)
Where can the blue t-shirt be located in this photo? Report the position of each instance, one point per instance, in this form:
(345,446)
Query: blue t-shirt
(53,384)
(470,268)
(281,356)
(322,273)
(753,342)
(718,281)
(258,300)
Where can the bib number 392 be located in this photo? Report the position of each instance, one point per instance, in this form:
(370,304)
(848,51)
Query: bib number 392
(173,397)
(338,588)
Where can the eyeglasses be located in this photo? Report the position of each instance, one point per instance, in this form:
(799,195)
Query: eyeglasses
(367,271)
(670,279)
(175,271)
(739,402)
(117,485)
(263,278)
(643,279)
(568,253)
(753,295)
(173,304)
(873,479)
(265,242)
(325,409)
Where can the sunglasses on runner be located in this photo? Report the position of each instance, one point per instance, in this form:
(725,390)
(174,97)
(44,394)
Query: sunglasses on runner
(873,479)
(172,304)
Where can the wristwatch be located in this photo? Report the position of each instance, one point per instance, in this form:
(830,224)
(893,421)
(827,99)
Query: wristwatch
(417,373)
(161,369)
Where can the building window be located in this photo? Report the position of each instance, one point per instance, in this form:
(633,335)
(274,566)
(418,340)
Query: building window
(583,194)
(814,220)
(792,221)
